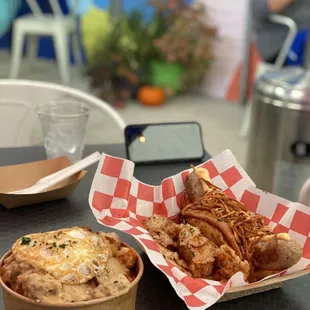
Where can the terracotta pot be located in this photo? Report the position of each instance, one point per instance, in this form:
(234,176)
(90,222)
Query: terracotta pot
(127,300)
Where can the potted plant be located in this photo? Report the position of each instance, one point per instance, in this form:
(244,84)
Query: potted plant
(150,60)
(185,49)
(121,64)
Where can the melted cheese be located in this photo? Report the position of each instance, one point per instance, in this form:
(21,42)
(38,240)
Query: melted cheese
(203,173)
(73,255)
(280,236)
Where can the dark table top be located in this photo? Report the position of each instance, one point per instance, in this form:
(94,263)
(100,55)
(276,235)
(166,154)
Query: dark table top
(155,291)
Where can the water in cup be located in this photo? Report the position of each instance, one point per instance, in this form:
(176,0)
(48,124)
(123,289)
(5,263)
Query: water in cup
(63,124)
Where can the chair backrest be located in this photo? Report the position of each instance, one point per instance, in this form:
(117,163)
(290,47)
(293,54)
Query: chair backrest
(26,95)
(304,196)
(13,118)
(55,6)
(289,40)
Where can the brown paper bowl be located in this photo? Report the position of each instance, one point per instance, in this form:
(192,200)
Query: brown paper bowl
(125,301)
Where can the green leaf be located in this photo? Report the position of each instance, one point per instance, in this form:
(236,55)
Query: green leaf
(25,241)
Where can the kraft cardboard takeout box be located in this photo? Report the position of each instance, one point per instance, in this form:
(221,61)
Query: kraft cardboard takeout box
(120,201)
(22,176)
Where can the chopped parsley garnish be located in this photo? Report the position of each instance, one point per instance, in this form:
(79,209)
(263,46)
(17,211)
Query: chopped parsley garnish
(54,244)
(62,245)
(26,240)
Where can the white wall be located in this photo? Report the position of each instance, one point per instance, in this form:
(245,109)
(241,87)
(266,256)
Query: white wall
(230,18)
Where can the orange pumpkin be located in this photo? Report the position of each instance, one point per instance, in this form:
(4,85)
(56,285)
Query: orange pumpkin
(151,96)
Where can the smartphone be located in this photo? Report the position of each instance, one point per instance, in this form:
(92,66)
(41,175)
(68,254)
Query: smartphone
(164,142)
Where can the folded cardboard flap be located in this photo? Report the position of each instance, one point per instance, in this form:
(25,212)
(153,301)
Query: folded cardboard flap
(21,176)
(17,177)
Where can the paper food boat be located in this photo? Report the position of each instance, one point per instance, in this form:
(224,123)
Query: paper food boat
(16,177)
(120,201)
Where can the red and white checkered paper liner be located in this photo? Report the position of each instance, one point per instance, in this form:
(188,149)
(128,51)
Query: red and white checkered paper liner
(120,201)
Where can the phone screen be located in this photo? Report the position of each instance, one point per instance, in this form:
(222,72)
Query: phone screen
(164,142)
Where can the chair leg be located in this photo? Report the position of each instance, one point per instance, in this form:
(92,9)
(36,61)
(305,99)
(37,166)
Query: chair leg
(62,55)
(77,53)
(17,51)
(32,48)
(246,122)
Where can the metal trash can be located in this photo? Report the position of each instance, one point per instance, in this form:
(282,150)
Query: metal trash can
(279,148)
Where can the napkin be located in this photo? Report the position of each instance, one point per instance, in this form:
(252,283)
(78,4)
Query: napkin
(120,201)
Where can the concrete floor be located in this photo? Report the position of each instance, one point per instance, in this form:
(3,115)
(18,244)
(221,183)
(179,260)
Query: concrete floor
(220,121)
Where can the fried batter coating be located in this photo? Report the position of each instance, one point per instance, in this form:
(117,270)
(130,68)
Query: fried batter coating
(175,260)
(127,257)
(187,248)
(229,263)
(197,251)
(163,230)
(183,245)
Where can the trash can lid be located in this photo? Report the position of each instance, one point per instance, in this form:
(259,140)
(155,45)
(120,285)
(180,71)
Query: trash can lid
(287,88)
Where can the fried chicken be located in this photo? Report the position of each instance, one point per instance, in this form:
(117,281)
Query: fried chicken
(197,251)
(229,263)
(127,257)
(187,248)
(163,230)
(175,259)
(183,245)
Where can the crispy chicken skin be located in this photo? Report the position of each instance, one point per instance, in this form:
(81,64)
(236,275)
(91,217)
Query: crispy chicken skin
(229,263)
(163,230)
(197,251)
(113,240)
(175,259)
(184,245)
(127,257)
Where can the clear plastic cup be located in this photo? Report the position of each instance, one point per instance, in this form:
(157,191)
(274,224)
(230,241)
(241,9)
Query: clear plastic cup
(63,124)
